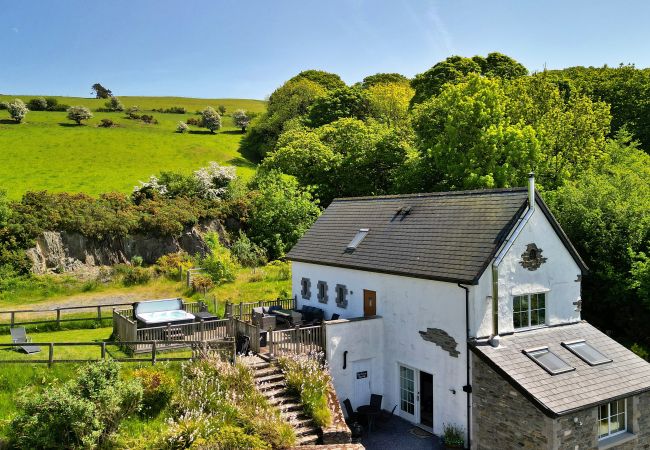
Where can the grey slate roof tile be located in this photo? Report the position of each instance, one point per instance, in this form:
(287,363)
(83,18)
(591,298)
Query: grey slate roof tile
(449,236)
(567,392)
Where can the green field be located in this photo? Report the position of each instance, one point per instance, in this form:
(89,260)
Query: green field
(49,152)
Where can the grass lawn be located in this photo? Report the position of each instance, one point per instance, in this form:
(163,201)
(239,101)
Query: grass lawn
(49,152)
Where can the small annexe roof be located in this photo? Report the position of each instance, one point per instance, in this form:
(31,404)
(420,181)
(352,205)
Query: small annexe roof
(446,236)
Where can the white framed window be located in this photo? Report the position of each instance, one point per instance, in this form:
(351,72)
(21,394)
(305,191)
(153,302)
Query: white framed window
(529,310)
(612,419)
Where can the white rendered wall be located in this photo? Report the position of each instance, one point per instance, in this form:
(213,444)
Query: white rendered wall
(557,277)
(407,306)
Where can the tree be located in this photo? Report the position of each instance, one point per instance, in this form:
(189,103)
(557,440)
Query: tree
(37,104)
(344,102)
(326,80)
(114,104)
(211,119)
(222,109)
(389,102)
(79,113)
(606,214)
(501,66)
(384,78)
(17,110)
(281,212)
(241,119)
(452,69)
(100,91)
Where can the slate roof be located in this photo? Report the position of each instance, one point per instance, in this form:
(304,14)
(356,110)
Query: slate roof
(447,236)
(584,387)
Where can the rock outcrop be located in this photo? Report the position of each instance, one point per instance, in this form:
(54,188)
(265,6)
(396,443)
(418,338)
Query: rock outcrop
(62,251)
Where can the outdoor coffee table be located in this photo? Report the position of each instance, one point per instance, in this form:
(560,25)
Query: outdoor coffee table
(205,315)
(370,412)
(284,314)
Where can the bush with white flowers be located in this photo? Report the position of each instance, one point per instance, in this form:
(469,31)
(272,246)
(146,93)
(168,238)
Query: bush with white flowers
(213,180)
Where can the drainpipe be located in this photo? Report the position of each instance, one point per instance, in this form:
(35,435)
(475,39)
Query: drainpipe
(494,337)
(468,386)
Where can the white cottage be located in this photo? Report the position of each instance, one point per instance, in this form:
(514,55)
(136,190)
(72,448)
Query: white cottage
(438,299)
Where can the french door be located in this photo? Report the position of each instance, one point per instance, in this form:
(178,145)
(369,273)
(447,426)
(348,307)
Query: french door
(407,393)
(416,396)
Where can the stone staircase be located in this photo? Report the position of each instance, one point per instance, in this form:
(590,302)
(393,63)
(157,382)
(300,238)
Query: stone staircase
(270,382)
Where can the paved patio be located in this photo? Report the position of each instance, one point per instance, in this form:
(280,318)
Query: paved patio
(395,435)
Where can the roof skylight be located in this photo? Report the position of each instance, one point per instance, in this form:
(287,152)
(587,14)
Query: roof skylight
(586,352)
(356,240)
(549,361)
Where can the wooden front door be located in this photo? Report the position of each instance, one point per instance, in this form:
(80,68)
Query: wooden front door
(369,303)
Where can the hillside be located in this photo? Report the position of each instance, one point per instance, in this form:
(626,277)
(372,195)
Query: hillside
(48,151)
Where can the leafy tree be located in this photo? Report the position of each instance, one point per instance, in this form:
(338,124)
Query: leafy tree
(345,158)
(241,119)
(384,78)
(451,70)
(79,113)
(222,109)
(37,104)
(328,81)
(500,66)
(114,104)
(281,213)
(290,101)
(211,119)
(17,110)
(606,214)
(389,102)
(100,91)
(344,102)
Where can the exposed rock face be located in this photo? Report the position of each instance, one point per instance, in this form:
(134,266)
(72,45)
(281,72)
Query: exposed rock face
(63,251)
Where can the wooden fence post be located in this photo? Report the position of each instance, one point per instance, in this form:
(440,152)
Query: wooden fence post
(241,305)
(103,350)
(50,359)
(214,305)
(202,330)
(269,339)
(153,353)
(13,319)
(99,313)
(58,317)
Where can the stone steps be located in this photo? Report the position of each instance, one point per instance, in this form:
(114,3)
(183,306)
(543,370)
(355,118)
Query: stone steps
(270,381)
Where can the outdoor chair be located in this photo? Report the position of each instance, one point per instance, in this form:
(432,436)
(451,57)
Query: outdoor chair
(375,401)
(19,336)
(386,416)
(243,344)
(351,413)
(335,316)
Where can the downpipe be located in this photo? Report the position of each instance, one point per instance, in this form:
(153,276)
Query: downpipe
(468,385)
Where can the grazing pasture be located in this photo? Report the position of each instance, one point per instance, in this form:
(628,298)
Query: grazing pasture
(49,152)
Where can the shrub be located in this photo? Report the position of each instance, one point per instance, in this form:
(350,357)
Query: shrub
(79,113)
(137,261)
(132,112)
(640,351)
(214,179)
(4,105)
(148,119)
(247,253)
(241,119)
(37,104)
(79,414)
(157,391)
(309,378)
(17,110)
(106,123)
(132,276)
(211,119)
(196,121)
(170,264)
(114,104)
(453,435)
(172,110)
(202,283)
(221,109)
(218,264)
(182,127)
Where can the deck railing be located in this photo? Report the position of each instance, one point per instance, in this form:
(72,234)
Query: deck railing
(244,311)
(59,314)
(297,340)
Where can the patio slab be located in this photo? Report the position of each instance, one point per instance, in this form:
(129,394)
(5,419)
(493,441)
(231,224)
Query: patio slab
(396,434)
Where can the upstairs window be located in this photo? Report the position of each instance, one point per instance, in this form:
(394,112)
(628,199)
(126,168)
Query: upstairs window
(529,310)
(341,296)
(549,361)
(322,292)
(586,352)
(612,419)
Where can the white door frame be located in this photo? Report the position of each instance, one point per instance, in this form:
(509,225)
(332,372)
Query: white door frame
(416,417)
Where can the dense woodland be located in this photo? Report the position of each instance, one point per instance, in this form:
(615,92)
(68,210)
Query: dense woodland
(466,123)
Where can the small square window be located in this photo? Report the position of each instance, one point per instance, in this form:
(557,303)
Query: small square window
(549,361)
(612,418)
(341,296)
(305,288)
(529,310)
(322,292)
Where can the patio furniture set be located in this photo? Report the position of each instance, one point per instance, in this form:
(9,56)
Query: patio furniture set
(274,317)
(369,413)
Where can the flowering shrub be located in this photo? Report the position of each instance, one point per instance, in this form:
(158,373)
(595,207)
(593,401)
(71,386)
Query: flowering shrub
(309,378)
(158,388)
(214,179)
(182,127)
(79,113)
(17,110)
(218,406)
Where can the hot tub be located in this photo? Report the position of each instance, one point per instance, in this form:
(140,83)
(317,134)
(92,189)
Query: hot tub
(154,313)
(174,316)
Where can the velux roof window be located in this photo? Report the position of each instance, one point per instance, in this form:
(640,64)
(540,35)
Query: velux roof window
(356,240)
(586,352)
(549,361)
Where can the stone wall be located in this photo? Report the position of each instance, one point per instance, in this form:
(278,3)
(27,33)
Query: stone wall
(338,432)
(502,417)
